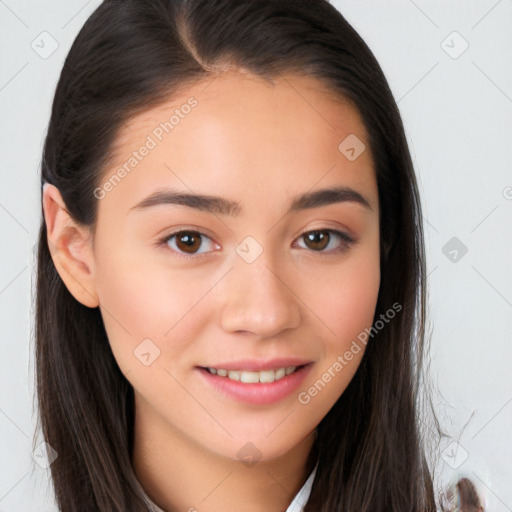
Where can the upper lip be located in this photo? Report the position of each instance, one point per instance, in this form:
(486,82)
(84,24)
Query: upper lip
(257,365)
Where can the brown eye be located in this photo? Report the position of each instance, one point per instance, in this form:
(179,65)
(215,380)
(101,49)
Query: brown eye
(187,242)
(319,239)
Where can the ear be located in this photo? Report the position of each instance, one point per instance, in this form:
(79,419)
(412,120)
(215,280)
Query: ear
(70,245)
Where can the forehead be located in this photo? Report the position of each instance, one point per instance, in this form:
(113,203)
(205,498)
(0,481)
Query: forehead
(247,102)
(241,133)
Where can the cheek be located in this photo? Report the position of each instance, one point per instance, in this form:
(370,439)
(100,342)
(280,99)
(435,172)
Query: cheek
(139,302)
(345,297)
(352,307)
(346,305)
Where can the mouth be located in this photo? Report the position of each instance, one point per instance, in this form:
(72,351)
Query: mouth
(261,384)
(254,377)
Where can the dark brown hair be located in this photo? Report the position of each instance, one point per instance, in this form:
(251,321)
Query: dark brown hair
(132,55)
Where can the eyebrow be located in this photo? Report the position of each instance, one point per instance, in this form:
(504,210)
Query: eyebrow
(220,205)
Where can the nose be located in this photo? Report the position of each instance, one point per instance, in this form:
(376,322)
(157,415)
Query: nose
(259,298)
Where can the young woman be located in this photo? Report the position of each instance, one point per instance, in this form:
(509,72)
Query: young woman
(231,271)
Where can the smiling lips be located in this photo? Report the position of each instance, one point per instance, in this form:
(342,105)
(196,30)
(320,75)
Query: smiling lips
(257,382)
(253,371)
(264,376)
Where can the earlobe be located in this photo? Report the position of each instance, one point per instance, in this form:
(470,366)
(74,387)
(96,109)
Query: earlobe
(70,247)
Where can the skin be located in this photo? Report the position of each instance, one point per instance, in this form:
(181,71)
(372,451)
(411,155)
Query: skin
(261,145)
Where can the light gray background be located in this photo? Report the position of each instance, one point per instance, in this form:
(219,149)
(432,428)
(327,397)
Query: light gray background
(457,111)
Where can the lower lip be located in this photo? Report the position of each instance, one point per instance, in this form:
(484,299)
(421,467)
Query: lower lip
(262,393)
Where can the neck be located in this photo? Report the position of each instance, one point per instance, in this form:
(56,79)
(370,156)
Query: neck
(179,475)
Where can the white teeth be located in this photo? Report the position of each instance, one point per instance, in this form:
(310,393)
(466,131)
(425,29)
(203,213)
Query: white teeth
(234,375)
(267,376)
(264,376)
(250,377)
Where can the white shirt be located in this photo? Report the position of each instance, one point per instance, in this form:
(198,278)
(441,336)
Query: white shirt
(297,505)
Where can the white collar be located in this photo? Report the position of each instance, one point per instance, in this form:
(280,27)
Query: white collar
(301,498)
(297,505)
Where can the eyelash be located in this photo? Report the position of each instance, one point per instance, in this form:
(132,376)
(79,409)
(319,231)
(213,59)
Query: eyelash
(346,242)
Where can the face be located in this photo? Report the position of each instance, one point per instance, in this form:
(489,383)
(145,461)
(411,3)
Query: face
(256,279)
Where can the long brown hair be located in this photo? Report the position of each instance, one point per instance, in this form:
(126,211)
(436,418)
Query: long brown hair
(132,55)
